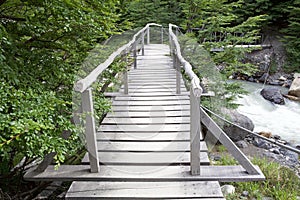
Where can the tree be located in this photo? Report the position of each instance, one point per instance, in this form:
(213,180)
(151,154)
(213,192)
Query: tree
(43,44)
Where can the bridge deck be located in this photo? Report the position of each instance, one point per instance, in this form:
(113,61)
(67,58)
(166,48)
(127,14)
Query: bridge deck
(144,144)
(147,130)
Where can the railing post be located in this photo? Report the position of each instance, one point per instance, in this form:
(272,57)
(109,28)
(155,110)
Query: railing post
(148,35)
(162,34)
(195,129)
(143,43)
(90,129)
(134,56)
(125,75)
(178,74)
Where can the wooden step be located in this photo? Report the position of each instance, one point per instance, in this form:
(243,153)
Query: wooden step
(155,98)
(144,190)
(145,120)
(147,158)
(154,128)
(146,146)
(143,173)
(142,137)
(147,108)
(136,114)
(152,103)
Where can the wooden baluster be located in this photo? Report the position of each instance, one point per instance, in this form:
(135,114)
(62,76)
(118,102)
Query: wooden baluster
(125,74)
(195,129)
(162,34)
(134,56)
(90,129)
(143,43)
(148,35)
(178,75)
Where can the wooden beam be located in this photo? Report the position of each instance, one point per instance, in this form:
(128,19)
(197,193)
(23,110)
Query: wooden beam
(226,141)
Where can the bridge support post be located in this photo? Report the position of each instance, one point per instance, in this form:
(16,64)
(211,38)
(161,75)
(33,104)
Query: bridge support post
(195,129)
(178,75)
(134,56)
(162,34)
(143,43)
(148,35)
(90,129)
(125,75)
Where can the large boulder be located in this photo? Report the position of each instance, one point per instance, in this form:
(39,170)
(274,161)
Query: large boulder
(295,87)
(273,94)
(235,133)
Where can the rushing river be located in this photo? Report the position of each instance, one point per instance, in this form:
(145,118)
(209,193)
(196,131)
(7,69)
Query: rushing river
(283,120)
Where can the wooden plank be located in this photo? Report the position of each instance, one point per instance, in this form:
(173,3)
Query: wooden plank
(145,94)
(146,158)
(157,98)
(153,103)
(131,146)
(144,190)
(144,173)
(134,114)
(136,136)
(144,90)
(143,108)
(145,120)
(145,128)
(152,86)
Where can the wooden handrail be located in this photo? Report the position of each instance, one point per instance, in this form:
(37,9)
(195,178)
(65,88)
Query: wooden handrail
(86,82)
(195,82)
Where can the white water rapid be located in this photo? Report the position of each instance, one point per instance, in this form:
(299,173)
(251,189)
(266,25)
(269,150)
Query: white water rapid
(282,120)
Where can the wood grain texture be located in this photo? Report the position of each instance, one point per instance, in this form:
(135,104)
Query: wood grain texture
(145,190)
(144,173)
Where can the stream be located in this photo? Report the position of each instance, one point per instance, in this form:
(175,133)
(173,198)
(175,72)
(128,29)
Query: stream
(282,120)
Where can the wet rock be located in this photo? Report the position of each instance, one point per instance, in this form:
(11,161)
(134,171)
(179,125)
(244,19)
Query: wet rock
(235,133)
(217,158)
(251,79)
(245,193)
(276,137)
(227,189)
(274,95)
(241,144)
(295,87)
(275,150)
(282,78)
(263,78)
(267,198)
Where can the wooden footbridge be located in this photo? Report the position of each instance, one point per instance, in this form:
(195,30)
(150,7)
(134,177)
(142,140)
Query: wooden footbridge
(150,146)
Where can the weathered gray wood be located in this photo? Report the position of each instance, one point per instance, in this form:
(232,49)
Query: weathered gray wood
(83,84)
(195,128)
(153,103)
(145,128)
(131,146)
(134,55)
(90,129)
(145,120)
(134,114)
(143,43)
(142,137)
(196,88)
(225,140)
(155,98)
(125,74)
(144,190)
(147,158)
(150,108)
(178,76)
(148,35)
(144,173)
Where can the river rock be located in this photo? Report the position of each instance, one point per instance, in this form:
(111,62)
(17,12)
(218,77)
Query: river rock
(241,144)
(263,78)
(273,94)
(295,87)
(227,189)
(235,133)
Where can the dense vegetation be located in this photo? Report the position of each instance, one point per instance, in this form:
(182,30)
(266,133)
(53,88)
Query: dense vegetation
(44,43)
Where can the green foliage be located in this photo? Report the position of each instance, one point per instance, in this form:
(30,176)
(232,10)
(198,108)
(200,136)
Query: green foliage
(141,12)
(291,39)
(43,44)
(280,183)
